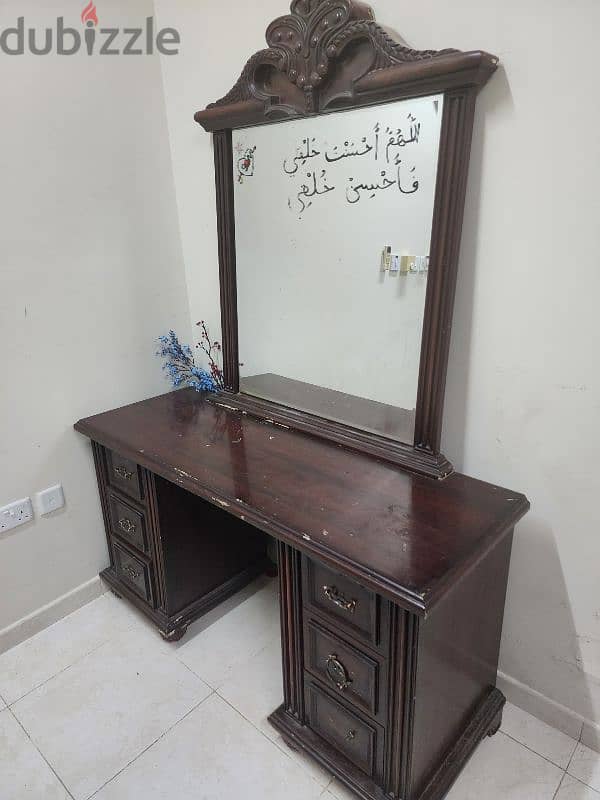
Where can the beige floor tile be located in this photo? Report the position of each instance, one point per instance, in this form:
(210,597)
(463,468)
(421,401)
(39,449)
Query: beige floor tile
(95,717)
(24,775)
(539,737)
(216,652)
(213,754)
(572,789)
(38,659)
(585,766)
(502,769)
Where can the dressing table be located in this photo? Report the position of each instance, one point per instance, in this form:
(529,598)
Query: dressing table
(341,158)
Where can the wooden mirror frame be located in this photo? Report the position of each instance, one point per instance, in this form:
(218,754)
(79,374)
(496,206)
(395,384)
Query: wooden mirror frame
(326,56)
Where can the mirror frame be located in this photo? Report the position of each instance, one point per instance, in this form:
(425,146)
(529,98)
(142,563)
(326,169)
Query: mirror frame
(327,56)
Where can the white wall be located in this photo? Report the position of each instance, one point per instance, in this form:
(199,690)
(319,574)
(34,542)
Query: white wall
(91,272)
(523,396)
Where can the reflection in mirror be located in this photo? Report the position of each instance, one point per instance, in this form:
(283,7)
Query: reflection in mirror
(333,218)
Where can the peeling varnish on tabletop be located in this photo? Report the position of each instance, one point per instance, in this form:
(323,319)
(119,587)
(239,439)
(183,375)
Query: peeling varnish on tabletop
(228,408)
(185,474)
(220,502)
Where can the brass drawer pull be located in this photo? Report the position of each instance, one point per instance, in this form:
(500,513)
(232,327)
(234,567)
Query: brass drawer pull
(338,599)
(336,672)
(124,473)
(131,572)
(127,526)
(350,736)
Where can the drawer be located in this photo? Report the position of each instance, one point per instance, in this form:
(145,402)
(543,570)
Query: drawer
(128,523)
(133,572)
(359,741)
(124,475)
(348,672)
(342,601)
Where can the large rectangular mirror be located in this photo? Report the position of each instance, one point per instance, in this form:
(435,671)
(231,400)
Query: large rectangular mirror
(333,221)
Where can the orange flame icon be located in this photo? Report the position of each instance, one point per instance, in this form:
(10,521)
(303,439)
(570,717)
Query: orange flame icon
(89,14)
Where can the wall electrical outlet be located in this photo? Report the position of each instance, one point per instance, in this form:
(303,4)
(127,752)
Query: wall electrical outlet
(15,514)
(50,499)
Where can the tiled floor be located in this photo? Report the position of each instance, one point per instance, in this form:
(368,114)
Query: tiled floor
(99,706)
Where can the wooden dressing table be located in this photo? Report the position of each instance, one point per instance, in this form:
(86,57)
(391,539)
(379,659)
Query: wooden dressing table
(392,568)
(392,584)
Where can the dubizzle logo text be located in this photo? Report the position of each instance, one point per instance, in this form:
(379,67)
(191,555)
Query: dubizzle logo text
(67,41)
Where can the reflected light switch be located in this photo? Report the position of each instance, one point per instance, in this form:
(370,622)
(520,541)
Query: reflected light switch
(386,258)
(408,264)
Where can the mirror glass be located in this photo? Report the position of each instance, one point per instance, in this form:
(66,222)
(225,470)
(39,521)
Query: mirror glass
(333,219)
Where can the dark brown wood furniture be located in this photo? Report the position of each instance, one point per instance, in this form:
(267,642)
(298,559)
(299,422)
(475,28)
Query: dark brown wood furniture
(172,554)
(392,583)
(393,569)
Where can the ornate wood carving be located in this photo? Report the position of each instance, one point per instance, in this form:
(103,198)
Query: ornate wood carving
(323,54)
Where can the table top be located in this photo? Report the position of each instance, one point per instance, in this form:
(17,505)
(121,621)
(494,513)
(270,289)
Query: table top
(406,536)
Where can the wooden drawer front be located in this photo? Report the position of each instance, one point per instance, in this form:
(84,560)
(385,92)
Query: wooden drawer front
(128,523)
(133,572)
(124,475)
(341,599)
(353,737)
(347,671)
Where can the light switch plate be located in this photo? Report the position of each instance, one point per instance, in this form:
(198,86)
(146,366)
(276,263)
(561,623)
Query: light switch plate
(15,514)
(50,499)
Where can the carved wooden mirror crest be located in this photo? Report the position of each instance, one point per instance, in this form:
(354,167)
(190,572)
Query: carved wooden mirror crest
(331,56)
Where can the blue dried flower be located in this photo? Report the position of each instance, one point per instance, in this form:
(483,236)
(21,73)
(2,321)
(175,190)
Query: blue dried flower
(180,367)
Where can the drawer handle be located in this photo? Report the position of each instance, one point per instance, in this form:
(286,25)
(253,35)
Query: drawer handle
(127,526)
(336,672)
(131,572)
(124,473)
(350,736)
(338,599)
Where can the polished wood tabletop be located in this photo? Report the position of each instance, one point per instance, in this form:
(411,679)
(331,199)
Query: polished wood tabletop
(404,535)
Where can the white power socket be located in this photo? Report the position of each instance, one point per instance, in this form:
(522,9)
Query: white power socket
(15,514)
(50,499)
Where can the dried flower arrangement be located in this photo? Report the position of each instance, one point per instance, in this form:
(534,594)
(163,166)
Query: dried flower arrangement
(181,368)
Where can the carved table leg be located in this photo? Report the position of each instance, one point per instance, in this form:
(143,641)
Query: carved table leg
(174,635)
(496,724)
(288,743)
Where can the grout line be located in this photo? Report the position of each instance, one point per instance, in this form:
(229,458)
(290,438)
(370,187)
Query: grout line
(229,672)
(43,757)
(195,674)
(273,742)
(583,783)
(535,752)
(56,674)
(77,660)
(558,788)
(573,755)
(141,753)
